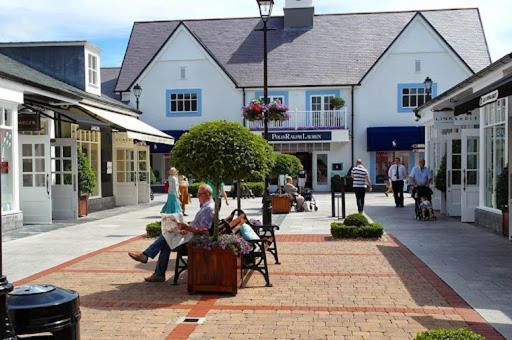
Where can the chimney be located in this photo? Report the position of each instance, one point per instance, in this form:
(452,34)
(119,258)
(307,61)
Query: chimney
(298,14)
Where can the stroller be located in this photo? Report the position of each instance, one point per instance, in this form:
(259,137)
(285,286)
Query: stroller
(309,198)
(423,204)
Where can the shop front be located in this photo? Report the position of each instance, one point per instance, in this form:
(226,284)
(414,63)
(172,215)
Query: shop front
(384,144)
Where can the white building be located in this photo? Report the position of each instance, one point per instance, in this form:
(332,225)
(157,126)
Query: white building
(470,124)
(197,70)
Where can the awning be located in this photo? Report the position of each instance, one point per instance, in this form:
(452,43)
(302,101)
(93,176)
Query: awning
(135,128)
(166,148)
(397,138)
(485,96)
(83,119)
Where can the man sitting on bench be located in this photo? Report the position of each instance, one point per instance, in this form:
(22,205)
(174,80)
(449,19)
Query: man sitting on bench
(200,225)
(292,190)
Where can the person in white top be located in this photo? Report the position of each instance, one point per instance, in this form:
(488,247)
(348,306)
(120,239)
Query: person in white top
(397,174)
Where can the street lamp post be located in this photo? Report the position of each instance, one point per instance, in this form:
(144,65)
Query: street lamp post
(428,88)
(137,91)
(6,327)
(265,7)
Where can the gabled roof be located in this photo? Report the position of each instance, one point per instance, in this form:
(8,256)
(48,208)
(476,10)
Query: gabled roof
(109,77)
(338,50)
(16,71)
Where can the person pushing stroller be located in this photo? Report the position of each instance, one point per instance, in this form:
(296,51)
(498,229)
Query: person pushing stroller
(420,179)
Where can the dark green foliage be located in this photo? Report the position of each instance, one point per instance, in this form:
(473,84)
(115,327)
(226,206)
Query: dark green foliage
(449,334)
(194,187)
(337,103)
(221,151)
(440,180)
(154,229)
(152,176)
(86,176)
(502,190)
(357,220)
(286,165)
(257,188)
(339,230)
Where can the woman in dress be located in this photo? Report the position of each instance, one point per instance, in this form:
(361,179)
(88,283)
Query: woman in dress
(172,205)
(184,195)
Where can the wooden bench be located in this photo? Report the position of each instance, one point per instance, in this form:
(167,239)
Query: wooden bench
(256,260)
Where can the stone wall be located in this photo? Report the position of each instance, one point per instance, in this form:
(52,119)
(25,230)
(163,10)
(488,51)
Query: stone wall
(12,221)
(489,219)
(103,203)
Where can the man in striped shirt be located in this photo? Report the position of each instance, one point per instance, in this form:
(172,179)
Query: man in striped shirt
(361,180)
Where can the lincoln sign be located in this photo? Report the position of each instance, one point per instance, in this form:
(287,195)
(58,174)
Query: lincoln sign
(300,136)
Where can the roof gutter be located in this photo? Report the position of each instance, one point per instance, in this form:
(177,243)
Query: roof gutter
(67,94)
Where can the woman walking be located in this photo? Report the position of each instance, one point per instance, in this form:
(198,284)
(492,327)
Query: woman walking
(184,195)
(172,205)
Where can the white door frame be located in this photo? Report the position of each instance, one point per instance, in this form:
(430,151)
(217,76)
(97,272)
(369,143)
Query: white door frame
(35,186)
(453,191)
(64,179)
(316,186)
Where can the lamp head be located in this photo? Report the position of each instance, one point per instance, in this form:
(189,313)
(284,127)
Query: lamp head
(137,91)
(265,7)
(428,85)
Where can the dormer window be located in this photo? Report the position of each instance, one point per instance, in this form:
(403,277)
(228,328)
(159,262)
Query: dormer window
(92,69)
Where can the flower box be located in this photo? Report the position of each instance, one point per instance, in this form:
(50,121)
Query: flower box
(281,204)
(214,270)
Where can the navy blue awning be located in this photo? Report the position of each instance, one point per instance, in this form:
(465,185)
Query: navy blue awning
(394,137)
(164,148)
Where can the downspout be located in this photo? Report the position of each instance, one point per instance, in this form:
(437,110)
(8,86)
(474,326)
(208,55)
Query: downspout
(243,101)
(352,123)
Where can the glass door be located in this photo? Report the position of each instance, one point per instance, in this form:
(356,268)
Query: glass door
(470,174)
(64,179)
(321,171)
(454,174)
(143,178)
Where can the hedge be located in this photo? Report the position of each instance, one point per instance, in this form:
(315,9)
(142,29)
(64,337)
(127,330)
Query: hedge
(373,230)
(257,188)
(154,229)
(194,188)
(357,220)
(451,334)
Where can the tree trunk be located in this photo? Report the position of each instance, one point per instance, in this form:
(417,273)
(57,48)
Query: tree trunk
(216,215)
(238,193)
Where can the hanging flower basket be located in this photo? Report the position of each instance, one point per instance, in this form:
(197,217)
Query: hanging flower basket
(254,110)
(277,111)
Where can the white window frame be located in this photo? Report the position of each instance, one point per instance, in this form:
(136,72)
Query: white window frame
(183,98)
(130,175)
(273,99)
(6,124)
(325,102)
(92,69)
(86,138)
(416,95)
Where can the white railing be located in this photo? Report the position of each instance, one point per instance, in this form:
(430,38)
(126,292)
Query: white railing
(334,119)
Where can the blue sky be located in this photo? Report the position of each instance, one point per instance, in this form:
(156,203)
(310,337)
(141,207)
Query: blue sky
(107,24)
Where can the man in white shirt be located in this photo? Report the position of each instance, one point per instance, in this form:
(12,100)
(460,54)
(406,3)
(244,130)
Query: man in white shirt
(397,174)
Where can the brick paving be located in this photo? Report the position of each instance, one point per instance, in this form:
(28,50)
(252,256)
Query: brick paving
(322,290)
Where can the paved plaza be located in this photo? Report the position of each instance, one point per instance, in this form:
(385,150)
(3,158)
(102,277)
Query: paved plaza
(323,288)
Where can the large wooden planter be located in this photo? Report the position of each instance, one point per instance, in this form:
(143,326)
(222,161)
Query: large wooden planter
(213,271)
(504,223)
(281,204)
(83,205)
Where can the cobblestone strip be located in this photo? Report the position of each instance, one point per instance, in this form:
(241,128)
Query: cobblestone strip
(74,261)
(183,330)
(466,312)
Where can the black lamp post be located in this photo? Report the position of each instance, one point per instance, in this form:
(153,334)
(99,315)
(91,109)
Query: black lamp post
(6,328)
(265,7)
(428,88)
(137,91)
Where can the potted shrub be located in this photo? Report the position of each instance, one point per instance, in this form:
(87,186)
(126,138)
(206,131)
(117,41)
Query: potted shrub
(86,183)
(277,111)
(337,103)
(219,151)
(356,226)
(440,183)
(502,198)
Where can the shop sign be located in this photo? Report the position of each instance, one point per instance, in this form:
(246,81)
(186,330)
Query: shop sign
(300,136)
(109,168)
(489,98)
(29,122)
(447,117)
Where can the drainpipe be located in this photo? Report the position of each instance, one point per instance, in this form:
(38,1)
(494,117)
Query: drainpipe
(243,102)
(352,122)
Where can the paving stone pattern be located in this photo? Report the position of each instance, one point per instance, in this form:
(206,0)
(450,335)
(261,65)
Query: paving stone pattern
(323,289)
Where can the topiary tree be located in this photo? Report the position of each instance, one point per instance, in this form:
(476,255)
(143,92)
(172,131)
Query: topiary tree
(356,220)
(221,150)
(337,103)
(286,165)
(440,180)
(86,176)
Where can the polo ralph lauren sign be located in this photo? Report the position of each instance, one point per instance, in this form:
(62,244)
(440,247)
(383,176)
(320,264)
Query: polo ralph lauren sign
(300,136)
(489,98)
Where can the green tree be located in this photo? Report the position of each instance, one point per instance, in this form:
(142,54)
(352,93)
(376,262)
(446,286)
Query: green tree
(286,165)
(86,176)
(440,180)
(221,151)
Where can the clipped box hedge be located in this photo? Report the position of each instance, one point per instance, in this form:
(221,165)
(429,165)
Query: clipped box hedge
(257,188)
(154,229)
(449,334)
(373,230)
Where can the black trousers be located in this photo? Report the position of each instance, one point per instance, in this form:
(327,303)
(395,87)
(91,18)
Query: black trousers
(398,192)
(360,192)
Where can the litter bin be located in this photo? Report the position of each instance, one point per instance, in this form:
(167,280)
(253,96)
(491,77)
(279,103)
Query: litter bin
(45,309)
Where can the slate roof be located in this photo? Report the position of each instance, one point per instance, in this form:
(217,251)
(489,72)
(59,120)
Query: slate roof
(338,50)
(16,71)
(109,77)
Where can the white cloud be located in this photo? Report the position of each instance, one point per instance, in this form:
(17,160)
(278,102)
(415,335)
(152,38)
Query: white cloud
(98,19)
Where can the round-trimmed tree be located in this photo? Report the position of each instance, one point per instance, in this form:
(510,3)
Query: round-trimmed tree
(221,151)
(286,165)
